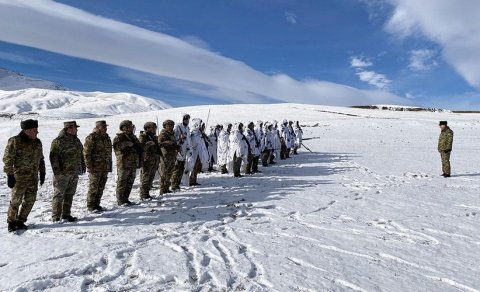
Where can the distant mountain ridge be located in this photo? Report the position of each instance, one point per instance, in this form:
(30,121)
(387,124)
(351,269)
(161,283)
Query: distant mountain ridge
(21,95)
(10,80)
(72,104)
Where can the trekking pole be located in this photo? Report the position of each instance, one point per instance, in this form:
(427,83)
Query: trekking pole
(307,148)
(208,116)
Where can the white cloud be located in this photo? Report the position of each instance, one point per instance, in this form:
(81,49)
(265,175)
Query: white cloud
(422,60)
(67,30)
(291,17)
(455,25)
(359,62)
(375,79)
(371,77)
(196,41)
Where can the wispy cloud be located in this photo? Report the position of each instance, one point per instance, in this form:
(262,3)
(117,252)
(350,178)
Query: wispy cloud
(454,25)
(422,60)
(375,79)
(369,76)
(291,17)
(197,42)
(19,59)
(67,30)
(359,62)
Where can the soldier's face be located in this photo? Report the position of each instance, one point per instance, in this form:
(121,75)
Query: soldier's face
(32,133)
(186,122)
(102,129)
(442,127)
(72,130)
(152,130)
(169,127)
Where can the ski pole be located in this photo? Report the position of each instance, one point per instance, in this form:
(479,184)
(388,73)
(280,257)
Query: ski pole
(307,148)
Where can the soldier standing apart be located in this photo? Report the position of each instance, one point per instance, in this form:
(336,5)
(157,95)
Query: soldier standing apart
(168,147)
(23,161)
(129,154)
(151,159)
(97,152)
(445,142)
(182,138)
(67,163)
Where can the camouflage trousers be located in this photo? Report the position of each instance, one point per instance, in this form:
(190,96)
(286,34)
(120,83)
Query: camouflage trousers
(147,175)
(197,168)
(166,169)
(65,186)
(177,174)
(96,186)
(237,164)
(125,179)
(265,157)
(445,162)
(249,164)
(284,151)
(24,195)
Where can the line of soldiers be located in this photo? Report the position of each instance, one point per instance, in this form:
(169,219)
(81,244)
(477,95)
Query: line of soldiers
(180,154)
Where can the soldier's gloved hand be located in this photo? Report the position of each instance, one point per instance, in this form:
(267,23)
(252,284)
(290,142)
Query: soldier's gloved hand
(11,180)
(42,178)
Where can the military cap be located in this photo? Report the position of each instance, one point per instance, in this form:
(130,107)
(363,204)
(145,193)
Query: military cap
(442,123)
(70,124)
(29,124)
(168,122)
(126,123)
(101,123)
(149,125)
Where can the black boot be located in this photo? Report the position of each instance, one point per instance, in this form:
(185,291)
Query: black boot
(12,227)
(21,225)
(69,218)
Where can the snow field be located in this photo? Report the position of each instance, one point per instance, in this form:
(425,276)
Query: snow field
(366,211)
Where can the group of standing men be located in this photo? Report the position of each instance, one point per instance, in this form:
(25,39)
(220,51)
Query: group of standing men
(177,153)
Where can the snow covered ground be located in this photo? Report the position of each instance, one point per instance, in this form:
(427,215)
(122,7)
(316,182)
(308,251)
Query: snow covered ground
(366,211)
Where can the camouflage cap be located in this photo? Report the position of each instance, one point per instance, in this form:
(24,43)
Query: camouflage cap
(126,123)
(29,124)
(101,123)
(168,122)
(149,125)
(70,124)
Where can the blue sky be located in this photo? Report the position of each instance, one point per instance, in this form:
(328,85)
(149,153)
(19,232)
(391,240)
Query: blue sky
(338,52)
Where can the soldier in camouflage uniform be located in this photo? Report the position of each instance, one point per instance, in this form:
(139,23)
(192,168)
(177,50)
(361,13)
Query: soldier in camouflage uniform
(151,159)
(169,149)
(129,154)
(445,142)
(23,159)
(67,163)
(97,151)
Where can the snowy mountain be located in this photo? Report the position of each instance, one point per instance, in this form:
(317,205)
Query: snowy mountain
(72,104)
(14,81)
(365,210)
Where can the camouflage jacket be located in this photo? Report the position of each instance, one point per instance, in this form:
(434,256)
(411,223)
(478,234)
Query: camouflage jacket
(127,157)
(445,140)
(97,152)
(167,144)
(66,155)
(23,156)
(150,147)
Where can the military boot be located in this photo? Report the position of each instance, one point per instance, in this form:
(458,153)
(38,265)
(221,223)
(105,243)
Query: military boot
(21,225)
(12,227)
(69,218)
